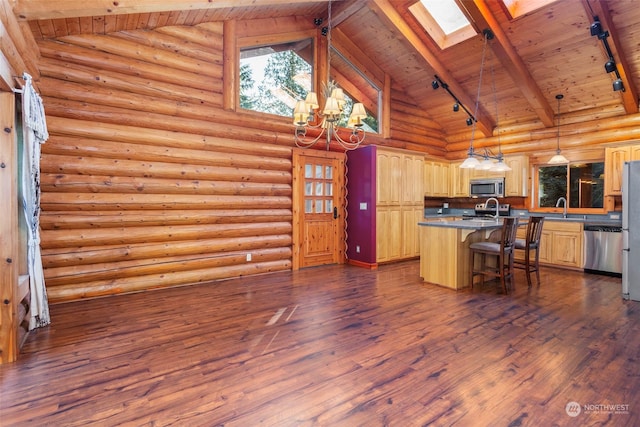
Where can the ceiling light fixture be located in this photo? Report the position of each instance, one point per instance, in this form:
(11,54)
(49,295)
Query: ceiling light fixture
(328,119)
(558,159)
(490,162)
(609,66)
(438,82)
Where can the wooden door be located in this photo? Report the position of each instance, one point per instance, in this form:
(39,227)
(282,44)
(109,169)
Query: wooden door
(318,208)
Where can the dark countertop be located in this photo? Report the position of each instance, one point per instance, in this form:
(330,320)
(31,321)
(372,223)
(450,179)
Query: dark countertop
(467,224)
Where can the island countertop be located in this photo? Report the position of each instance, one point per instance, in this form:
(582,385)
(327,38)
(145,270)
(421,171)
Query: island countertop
(467,224)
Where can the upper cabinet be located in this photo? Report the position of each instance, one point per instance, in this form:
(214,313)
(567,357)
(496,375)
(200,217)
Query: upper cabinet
(459,179)
(436,178)
(517,179)
(614,158)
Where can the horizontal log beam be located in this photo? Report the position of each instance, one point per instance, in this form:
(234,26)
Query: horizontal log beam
(117,270)
(60,257)
(80,220)
(156,281)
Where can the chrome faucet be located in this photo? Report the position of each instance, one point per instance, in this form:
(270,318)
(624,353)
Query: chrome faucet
(564,206)
(486,204)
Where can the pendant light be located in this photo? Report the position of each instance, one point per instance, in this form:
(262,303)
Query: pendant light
(558,159)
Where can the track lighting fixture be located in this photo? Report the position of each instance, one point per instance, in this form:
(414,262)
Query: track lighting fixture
(457,104)
(618,85)
(609,66)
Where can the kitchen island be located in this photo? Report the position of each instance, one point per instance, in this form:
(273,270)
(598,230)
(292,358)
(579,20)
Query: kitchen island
(444,248)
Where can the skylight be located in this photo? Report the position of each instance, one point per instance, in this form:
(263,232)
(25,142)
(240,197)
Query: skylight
(443,21)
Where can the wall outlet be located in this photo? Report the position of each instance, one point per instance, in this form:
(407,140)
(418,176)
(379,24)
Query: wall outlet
(614,216)
(357,249)
(363,206)
(521,213)
(248,257)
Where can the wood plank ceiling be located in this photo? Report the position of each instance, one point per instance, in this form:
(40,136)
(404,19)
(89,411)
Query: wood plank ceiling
(533,57)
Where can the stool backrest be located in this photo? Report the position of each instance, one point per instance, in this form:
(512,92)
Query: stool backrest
(534,231)
(509,229)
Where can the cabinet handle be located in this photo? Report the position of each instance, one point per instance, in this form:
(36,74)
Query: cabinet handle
(335,212)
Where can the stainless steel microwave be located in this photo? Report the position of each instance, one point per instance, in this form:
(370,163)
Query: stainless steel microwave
(487,187)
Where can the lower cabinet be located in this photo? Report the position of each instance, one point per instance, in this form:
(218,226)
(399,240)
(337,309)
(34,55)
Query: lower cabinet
(397,234)
(560,244)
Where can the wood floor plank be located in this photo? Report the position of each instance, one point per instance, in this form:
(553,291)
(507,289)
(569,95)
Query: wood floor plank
(334,346)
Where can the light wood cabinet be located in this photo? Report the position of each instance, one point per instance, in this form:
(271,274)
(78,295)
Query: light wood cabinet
(561,244)
(459,179)
(482,174)
(517,179)
(436,178)
(614,158)
(399,205)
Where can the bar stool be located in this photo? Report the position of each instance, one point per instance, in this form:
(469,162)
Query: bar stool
(531,242)
(502,250)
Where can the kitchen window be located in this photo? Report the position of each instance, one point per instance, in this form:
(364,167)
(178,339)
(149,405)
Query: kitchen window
(581,183)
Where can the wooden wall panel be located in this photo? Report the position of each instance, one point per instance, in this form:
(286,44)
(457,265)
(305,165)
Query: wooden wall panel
(147,181)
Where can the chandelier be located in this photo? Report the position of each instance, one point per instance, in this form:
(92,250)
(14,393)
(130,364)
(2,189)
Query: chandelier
(308,115)
(490,162)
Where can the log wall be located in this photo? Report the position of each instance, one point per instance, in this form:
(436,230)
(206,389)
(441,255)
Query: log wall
(147,181)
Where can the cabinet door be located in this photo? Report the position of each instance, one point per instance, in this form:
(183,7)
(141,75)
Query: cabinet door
(567,249)
(410,231)
(388,177)
(459,180)
(388,233)
(441,177)
(635,153)
(546,241)
(412,179)
(436,179)
(614,158)
(517,178)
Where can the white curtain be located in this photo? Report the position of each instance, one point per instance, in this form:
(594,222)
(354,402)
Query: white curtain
(35,133)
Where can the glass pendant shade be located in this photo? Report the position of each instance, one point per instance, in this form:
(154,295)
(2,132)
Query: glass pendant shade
(470,163)
(558,159)
(500,166)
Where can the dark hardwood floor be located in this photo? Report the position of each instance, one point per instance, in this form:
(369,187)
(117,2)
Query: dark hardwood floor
(335,346)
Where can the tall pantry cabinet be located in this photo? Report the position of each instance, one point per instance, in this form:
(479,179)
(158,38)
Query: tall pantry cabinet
(394,193)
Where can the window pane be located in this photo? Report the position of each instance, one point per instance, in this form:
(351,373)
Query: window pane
(586,185)
(308,206)
(329,206)
(552,185)
(346,75)
(308,188)
(319,206)
(319,171)
(318,189)
(328,189)
(274,77)
(328,172)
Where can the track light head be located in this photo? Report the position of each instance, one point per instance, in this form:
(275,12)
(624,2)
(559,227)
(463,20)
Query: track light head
(325,31)
(618,85)
(610,66)
(469,121)
(434,84)
(456,107)
(596,27)
(317,21)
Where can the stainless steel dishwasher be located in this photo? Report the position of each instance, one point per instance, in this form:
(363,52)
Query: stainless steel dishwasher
(603,249)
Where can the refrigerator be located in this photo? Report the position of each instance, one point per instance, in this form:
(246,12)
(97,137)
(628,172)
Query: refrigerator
(631,231)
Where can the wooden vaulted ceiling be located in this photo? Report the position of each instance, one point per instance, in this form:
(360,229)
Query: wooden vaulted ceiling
(531,58)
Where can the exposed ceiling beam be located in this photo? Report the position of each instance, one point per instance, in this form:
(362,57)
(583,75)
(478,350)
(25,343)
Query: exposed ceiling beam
(342,11)
(482,17)
(48,9)
(630,93)
(388,11)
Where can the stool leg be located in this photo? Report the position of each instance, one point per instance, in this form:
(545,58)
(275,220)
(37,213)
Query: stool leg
(527,265)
